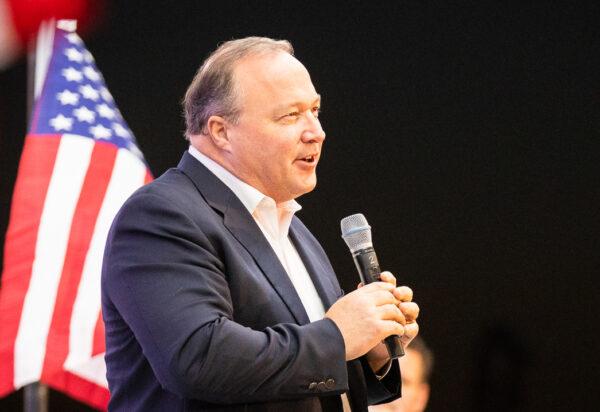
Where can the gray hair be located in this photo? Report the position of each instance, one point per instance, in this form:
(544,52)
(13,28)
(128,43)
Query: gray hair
(212,92)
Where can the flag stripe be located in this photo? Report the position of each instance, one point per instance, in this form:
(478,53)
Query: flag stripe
(99,341)
(35,170)
(93,370)
(81,389)
(149,177)
(72,161)
(128,175)
(82,229)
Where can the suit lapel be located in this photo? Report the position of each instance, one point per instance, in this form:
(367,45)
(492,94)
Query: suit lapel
(243,227)
(247,232)
(317,271)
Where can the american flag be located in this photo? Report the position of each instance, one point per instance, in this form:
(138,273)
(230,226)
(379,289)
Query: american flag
(79,164)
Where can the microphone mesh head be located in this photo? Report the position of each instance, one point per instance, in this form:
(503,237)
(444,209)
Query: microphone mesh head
(356,232)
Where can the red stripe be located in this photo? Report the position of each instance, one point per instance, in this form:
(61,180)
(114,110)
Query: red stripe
(33,178)
(90,201)
(148,177)
(80,389)
(99,342)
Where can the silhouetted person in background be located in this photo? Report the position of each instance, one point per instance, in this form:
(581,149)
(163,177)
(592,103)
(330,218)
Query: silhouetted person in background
(416,366)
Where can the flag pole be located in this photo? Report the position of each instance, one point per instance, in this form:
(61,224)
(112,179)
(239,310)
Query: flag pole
(35,395)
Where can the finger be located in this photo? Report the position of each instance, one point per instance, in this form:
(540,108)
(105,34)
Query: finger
(403,293)
(410,310)
(411,330)
(382,297)
(375,286)
(387,277)
(391,312)
(391,327)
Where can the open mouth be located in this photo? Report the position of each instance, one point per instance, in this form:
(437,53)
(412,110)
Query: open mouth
(309,158)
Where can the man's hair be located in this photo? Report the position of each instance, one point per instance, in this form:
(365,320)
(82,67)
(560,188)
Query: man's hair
(213,91)
(419,346)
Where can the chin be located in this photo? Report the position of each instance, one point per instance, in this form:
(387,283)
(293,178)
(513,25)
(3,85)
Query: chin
(309,187)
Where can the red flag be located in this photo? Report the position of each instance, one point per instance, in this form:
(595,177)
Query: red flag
(79,164)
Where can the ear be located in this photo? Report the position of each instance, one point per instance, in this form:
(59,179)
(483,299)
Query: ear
(216,128)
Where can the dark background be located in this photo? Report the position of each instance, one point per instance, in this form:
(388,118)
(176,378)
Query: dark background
(466,133)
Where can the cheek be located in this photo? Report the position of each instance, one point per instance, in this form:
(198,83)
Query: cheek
(279,153)
(277,150)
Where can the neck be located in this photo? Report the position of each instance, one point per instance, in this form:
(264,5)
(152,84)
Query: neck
(204,145)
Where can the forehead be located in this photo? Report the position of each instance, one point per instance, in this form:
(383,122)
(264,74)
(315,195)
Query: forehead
(273,79)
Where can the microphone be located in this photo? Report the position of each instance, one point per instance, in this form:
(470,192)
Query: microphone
(356,232)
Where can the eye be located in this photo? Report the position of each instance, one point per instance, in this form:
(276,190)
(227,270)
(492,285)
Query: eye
(290,115)
(316,111)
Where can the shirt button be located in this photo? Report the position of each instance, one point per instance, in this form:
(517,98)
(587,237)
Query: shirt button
(330,384)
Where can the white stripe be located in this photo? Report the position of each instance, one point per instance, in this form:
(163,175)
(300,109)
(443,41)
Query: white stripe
(94,370)
(71,164)
(128,174)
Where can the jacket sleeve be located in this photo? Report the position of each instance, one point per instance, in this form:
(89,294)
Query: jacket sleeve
(382,390)
(166,279)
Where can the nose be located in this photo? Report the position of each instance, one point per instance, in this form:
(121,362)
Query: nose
(313,131)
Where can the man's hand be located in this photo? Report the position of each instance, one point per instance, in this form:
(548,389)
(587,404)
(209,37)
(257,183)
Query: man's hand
(378,357)
(367,316)
(409,309)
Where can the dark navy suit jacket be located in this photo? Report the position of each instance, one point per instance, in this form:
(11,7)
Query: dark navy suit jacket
(200,314)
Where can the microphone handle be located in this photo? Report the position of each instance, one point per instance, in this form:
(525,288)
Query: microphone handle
(369,271)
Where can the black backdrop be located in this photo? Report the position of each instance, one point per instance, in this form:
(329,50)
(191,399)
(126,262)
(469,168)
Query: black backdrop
(468,136)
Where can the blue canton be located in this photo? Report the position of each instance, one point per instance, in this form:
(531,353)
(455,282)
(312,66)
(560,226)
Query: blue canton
(75,99)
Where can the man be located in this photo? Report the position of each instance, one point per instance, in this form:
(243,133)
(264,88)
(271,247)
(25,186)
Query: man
(215,297)
(416,367)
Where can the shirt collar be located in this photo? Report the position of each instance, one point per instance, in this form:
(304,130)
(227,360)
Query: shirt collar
(248,195)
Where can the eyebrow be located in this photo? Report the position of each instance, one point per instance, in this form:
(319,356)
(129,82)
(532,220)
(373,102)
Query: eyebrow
(297,103)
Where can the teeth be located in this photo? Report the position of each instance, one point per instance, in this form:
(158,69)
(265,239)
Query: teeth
(310,158)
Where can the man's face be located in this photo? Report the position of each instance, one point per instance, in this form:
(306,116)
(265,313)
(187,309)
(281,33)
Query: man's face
(415,392)
(276,144)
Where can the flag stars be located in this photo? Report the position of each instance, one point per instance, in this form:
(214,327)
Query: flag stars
(100,132)
(61,122)
(106,94)
(74,55)
(72,74)
(67,97)
(105,111)
(89,92)
(80,103)
(87,56)
(121,131)
(73,38)
(84,114)
(91,74)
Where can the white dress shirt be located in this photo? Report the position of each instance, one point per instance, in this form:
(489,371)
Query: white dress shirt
(274,221)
